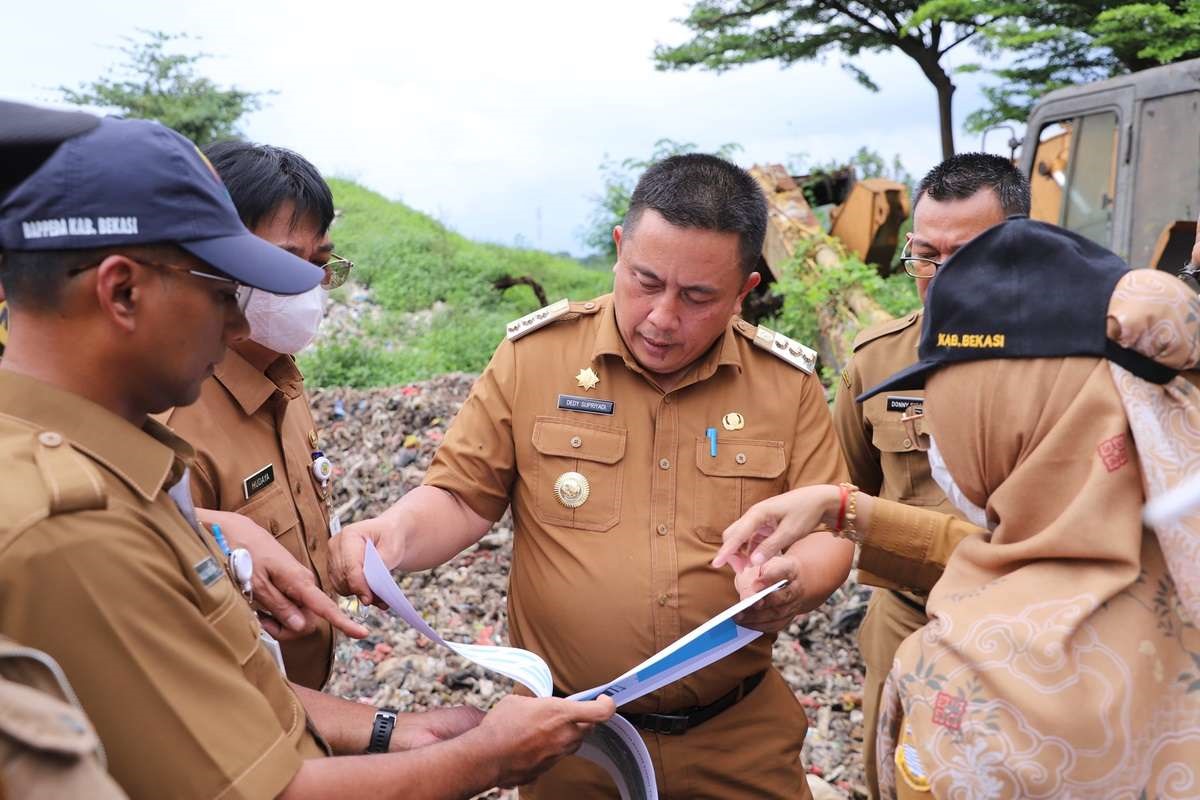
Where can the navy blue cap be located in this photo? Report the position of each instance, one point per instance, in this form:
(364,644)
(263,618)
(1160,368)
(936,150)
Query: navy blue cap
(134,182)
(1022,289)
(30,134)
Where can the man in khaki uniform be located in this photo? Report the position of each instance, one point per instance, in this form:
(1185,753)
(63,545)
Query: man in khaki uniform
(956,201)
(125,241)
(592,423)
(48,748)
(256,443)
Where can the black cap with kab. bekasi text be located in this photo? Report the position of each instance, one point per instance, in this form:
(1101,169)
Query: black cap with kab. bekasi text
(1023,289)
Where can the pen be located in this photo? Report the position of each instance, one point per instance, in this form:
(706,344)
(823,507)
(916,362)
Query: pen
(220,537)
(711,433)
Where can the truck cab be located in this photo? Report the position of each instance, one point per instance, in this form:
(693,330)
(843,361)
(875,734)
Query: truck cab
(1118,161)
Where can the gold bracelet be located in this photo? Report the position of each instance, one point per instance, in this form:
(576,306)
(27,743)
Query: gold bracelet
(849,526)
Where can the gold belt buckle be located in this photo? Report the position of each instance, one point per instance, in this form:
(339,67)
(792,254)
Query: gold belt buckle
(913,429)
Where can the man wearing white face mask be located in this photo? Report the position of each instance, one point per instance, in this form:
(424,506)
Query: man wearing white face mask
(959,199)
(259,470)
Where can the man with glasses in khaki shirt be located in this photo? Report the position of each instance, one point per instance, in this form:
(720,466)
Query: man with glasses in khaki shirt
(259,471)
(626,433)
(959,199)
(122,246)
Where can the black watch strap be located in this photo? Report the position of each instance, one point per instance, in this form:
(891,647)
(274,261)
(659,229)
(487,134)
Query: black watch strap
(381,730)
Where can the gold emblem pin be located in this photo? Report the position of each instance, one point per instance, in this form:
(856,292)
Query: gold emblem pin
(572,489)
(733,421)
(312,439)
(587,378)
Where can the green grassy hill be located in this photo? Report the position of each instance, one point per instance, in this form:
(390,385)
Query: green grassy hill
(438,311)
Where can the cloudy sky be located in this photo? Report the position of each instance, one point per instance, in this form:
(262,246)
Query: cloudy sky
(492,117)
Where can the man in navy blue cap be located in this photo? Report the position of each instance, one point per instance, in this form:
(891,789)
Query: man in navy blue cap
(35,694)
(126,268)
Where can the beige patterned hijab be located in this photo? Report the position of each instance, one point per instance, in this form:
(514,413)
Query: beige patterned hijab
(1063,657)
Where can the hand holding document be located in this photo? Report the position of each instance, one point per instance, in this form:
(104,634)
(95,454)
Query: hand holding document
(615,745)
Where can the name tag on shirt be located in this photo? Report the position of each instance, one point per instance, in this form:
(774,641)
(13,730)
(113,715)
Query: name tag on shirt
(588,405)
(208,571)
(902,404)
(260,480)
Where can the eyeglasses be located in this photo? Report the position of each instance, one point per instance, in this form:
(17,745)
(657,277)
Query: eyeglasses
(337,271)
(242,292)
(916,266)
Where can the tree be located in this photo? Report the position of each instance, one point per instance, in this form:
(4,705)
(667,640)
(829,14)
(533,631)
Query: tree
(733,32)
(1050,45)
(156,84)
(620,177)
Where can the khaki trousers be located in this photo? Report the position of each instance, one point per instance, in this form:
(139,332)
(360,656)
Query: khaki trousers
(889,621)
(750,751)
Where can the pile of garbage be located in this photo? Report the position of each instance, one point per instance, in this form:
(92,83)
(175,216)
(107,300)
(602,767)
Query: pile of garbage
(381,442)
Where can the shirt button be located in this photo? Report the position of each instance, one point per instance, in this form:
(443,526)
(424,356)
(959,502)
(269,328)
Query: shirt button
(50,438)
(740,458)
(274,527)
(662,599)
(908,442)
(589,306)
(576,441)
(664,463)
(662,530)
(299,487)
(667,400)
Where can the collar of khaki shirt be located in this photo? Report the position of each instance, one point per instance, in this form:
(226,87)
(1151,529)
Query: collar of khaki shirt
(148,459)
(252,387)
(609,342)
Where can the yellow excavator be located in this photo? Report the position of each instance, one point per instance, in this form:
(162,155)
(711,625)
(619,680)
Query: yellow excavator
(865,217)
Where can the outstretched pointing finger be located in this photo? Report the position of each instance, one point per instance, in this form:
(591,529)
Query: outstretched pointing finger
(318,603)
(790,530)
(742,531)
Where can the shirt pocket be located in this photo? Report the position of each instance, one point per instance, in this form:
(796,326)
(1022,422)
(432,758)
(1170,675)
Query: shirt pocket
(235,623)
(275,511)
(597,453)
(743,472)
(906,474)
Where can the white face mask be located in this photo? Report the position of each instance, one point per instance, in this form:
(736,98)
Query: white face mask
(942,477)
(285,324)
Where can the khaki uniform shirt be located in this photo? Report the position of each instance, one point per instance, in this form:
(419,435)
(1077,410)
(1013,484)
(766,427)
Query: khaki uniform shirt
(99,569)
(597,589)
(48,749)
(244,421)
(882,457)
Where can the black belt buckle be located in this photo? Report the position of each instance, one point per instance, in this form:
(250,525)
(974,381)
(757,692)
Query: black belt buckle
(666,724)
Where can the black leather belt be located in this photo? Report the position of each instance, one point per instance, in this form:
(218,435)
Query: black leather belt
(908,601)
(685,719)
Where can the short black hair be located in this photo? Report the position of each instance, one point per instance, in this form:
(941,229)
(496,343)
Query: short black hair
(961,176)
(262,177)
(34,279)
(706,192)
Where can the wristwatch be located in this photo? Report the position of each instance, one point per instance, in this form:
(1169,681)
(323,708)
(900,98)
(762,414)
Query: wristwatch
(381,730)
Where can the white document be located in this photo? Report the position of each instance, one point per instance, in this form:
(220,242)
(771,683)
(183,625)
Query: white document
(522,666)
(615,746)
